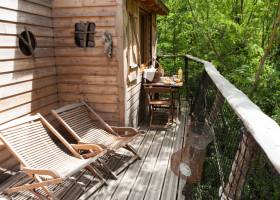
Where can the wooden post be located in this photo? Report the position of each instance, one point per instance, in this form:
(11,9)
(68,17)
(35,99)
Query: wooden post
(240,167)
(187,77)
(198,105)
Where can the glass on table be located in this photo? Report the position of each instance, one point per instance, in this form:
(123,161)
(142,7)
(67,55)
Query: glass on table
(174,77)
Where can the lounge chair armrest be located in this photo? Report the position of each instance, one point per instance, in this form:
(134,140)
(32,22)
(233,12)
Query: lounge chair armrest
(94,147)
(46,172)
(125,131)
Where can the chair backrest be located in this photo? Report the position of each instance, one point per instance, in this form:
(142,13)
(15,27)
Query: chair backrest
(78,118)
(154,90)
(30,140)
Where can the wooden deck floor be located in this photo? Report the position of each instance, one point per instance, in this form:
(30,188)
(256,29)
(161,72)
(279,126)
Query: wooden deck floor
(148,179)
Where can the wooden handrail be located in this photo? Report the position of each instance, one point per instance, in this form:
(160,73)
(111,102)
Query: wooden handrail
(170,56)
(264,130)
(195,59)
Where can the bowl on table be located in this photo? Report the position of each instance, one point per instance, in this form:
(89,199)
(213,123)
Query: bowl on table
(166,80)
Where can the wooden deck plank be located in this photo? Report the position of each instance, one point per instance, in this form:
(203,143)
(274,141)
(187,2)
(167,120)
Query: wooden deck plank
(170,193)
(158,176)
(69,185)
(142,182)
(11,181)
(103,192)
(80,187)
(106,192)
(90,190)
(129,178)
(182,182)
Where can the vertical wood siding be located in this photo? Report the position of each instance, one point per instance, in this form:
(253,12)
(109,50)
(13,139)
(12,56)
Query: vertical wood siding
(133,90)
(27,85)
(87,73)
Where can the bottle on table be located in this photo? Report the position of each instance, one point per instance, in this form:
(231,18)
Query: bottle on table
(180,74)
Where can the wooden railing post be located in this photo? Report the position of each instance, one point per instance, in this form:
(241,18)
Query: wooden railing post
(240,167)
(198,106)
(187,78)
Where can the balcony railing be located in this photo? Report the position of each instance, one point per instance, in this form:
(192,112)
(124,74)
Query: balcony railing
(243,161)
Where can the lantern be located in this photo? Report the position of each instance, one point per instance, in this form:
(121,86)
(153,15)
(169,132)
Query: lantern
(188,162)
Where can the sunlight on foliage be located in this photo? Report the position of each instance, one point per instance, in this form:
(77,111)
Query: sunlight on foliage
(232,35)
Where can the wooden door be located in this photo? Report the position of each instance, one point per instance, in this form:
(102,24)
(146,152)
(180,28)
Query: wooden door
(145,27)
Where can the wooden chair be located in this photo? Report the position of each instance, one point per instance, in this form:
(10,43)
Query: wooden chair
(155,102)
(87,127)
(30,140)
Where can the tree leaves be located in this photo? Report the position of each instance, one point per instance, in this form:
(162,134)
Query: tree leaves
(231,34)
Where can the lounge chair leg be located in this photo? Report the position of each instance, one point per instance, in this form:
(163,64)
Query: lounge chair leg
(95,171)
(108,169)
(49,193)
(131,149)
(34,186)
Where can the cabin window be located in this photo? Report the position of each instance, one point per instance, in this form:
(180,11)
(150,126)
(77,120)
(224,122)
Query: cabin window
(27,43)
(84,34)
(145,23)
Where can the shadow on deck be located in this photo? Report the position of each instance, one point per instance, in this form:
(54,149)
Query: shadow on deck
(149,178)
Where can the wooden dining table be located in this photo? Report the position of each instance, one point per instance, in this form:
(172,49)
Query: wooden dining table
(161,84)
(174,88)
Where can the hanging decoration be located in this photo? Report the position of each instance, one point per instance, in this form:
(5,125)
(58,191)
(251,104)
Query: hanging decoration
(27,42)
(108,44)
(84,34)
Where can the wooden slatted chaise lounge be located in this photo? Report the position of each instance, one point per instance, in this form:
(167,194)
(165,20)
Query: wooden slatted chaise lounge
(30,140)
(87,127)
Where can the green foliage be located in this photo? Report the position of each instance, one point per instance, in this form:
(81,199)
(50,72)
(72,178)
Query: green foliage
(232,35)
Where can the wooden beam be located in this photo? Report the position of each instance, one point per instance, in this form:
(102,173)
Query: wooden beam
(156,6)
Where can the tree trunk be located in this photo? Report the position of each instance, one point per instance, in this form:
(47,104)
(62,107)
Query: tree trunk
(266,53)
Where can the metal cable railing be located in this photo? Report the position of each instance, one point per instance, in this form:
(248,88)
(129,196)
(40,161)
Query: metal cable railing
(243,161)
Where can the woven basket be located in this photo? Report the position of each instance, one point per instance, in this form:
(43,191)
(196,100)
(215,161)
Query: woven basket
(159,73)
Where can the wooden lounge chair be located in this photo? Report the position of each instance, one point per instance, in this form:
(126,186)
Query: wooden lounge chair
(87,127)
(30,140)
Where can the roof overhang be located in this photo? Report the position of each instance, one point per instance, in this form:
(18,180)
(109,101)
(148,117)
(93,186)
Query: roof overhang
(155,6)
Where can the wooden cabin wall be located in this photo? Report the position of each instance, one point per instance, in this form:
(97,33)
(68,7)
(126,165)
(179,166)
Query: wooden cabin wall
(132,88)
(27,85)
(134,91)
(87,74)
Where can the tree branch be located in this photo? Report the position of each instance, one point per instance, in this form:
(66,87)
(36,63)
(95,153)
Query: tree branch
(266,53)
(206,35)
